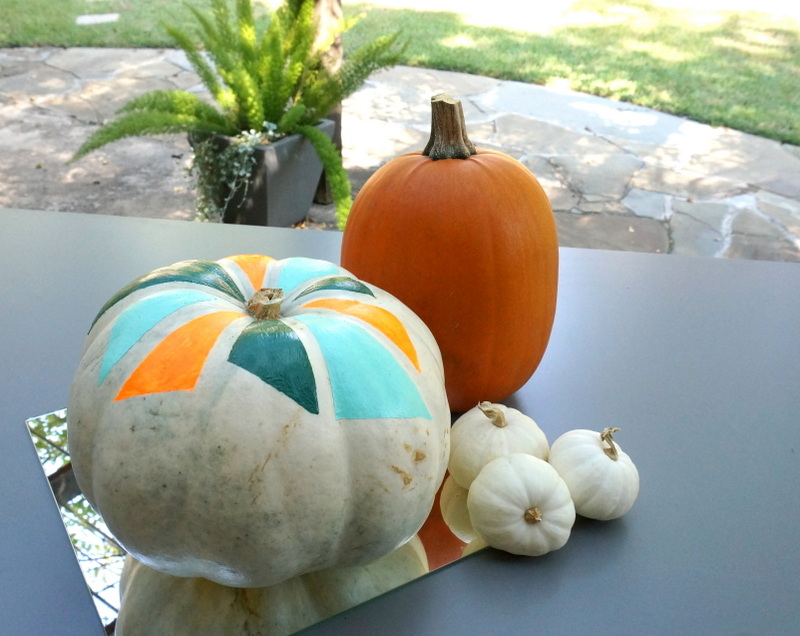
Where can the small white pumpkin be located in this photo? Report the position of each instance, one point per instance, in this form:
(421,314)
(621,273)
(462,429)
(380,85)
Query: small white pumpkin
(488,431)
(453,505)
(518,503)
(602,479)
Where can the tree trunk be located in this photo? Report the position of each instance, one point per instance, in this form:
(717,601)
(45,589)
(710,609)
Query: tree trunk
(65,486)
(329,12)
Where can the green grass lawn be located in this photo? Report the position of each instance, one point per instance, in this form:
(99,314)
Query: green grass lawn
(727,68)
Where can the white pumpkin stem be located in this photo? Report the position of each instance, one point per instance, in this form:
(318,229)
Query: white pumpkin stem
(533,515)
(266,303)
(448,138)
(607,436)
(494,414)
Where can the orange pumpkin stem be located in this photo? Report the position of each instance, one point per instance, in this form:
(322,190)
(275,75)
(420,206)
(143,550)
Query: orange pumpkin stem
(266,303)
(448,138)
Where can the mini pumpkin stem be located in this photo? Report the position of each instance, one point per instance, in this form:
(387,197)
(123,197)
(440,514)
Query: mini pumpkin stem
(532,515)
(607,436)
(494,414)
(448,138)
(266,303)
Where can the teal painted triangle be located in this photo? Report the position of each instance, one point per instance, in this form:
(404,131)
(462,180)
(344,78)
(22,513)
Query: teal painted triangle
(272,351)
(337,283)
(207,273)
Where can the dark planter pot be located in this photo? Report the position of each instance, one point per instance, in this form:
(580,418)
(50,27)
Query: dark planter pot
(282,184)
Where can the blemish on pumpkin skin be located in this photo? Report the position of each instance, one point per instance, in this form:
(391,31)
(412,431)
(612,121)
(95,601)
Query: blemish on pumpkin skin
(291,424)
(407,478)
(418,456)
(258,470)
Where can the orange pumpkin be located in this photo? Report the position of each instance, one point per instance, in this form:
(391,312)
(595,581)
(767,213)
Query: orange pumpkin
(467,239)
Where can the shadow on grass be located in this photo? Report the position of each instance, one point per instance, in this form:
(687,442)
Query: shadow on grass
(740,70)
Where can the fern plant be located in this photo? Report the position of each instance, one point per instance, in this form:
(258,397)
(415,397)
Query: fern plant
(266,85)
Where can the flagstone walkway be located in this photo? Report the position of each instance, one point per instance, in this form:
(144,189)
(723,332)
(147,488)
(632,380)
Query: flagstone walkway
(619,176)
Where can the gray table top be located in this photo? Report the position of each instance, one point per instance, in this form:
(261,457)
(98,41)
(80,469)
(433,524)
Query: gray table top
(697,360)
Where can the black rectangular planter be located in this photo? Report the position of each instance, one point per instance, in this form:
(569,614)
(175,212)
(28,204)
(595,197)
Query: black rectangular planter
(283,182)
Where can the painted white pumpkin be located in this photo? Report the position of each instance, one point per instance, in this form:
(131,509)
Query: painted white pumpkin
(601,477)
(226,434)
(519,504)
(158,604)
(453,505)
(488,431)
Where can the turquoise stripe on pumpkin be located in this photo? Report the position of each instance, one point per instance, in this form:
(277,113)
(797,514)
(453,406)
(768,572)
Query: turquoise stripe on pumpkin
(367,381)
(207,273)
(137,319)
(299,269)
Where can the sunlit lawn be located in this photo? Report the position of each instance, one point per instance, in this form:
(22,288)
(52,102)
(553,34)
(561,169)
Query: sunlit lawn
(721,66)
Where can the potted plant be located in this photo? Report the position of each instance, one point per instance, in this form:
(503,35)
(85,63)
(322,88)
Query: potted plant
(271,90)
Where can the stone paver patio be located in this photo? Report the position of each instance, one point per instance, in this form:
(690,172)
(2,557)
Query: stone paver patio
(619,176)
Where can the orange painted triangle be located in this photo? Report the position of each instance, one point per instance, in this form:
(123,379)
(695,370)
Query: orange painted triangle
(254,266)
(177,361)
(384,321)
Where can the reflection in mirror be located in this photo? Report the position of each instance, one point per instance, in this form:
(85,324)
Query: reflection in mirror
(99,555)
(103,562)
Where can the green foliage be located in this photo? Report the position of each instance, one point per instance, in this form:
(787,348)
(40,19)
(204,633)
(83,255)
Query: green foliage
(337,177)
(270,80)
(159,112)
(735,66)
(220,174)
(720,66)
(290,120)
(49,434)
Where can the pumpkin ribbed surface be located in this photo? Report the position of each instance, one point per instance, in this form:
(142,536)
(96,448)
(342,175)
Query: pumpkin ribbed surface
(471,246)
(249,448)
